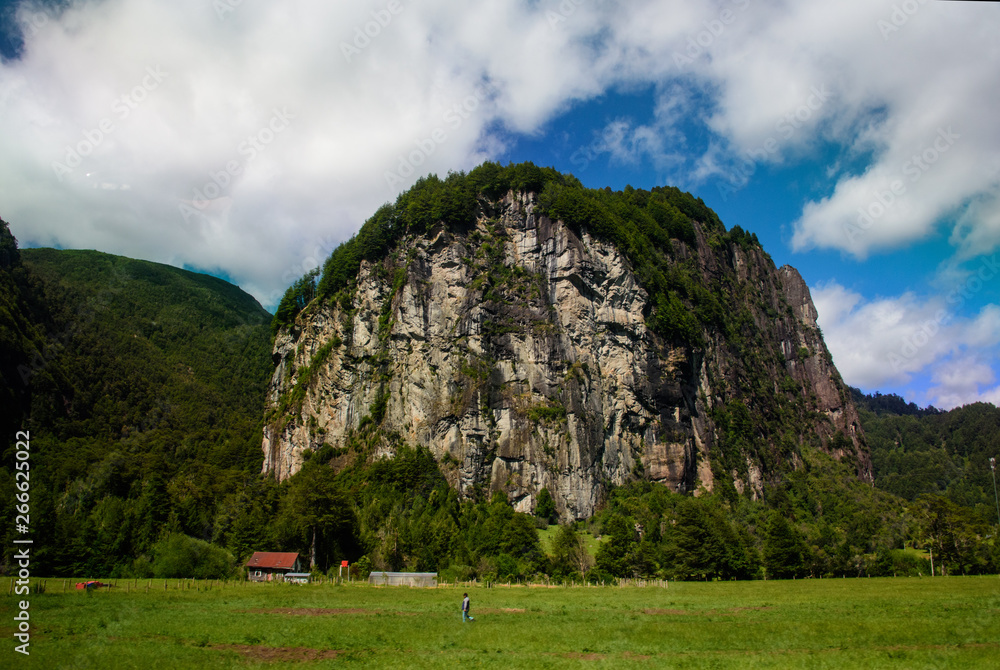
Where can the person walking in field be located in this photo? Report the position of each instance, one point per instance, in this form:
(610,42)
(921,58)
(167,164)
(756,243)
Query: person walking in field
(465,609)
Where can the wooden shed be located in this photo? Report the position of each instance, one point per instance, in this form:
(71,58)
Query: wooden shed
(266,566)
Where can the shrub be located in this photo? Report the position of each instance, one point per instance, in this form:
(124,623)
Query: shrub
(180,556)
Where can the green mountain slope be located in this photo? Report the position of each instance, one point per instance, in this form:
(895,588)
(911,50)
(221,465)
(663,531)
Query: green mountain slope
(143,387)
(143,399)
(928,451)
(23,323)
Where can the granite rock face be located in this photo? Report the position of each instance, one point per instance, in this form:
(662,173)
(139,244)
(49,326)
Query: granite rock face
(518,353)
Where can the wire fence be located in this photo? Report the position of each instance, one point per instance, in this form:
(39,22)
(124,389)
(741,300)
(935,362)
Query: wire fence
(390,580)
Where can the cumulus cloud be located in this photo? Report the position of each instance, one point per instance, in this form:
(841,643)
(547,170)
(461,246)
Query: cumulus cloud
(887,341)
(271,131)
(906,90)
(252,140)
(963,381)
(882,341)
(978,230)
(927,79)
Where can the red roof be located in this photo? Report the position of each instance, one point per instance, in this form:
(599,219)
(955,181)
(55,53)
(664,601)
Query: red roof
(273,559)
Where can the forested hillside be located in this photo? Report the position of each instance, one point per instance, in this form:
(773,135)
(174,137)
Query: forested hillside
(929,452)
(141,386)
(144,388)
(24,320)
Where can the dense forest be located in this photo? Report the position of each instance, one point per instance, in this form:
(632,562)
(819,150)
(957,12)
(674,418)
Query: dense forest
(918,452)
(143,386)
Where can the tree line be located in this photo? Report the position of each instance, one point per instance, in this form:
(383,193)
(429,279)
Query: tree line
(401,514)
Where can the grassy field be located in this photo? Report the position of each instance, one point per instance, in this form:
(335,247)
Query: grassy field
(951,622)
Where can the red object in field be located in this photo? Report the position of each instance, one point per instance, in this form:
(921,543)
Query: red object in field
(90,585)
(343,564)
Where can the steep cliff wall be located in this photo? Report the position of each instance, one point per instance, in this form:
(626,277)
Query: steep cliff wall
(518,351)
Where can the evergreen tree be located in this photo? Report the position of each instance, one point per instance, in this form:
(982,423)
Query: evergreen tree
(316,518)
(615,553)
(545,507)
(783,548)
(569,553)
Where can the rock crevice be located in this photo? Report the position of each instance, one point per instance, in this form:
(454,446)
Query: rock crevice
(518,353)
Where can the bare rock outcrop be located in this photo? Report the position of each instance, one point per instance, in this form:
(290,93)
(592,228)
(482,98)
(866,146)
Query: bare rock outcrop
(518,353)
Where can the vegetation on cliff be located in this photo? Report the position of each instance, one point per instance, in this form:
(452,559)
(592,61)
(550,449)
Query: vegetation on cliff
(24,319)
(765,405)
(640,223)
(143,387)
(821,521)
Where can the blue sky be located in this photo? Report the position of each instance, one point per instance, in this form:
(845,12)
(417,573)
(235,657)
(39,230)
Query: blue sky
(857,139)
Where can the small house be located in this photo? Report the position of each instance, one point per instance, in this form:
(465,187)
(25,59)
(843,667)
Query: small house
(266,566)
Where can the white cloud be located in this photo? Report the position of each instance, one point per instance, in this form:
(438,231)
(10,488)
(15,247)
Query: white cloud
(964,373)
(914,89)
(883,341)
(984,330)
(753,71)
(259,113)
(963,381)
(978,230)
(934,138)
(888,341)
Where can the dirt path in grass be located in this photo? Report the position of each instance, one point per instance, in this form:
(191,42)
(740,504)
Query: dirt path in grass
(321,611)
(308,611)
(729,612)
(278,654)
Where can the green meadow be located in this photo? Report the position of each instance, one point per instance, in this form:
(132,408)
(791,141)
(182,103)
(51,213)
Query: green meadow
(942,622)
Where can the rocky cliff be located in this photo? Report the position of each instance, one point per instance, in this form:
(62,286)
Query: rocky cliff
(519,350)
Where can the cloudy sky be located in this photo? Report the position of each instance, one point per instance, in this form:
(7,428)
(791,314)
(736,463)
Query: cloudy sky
(858,139)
